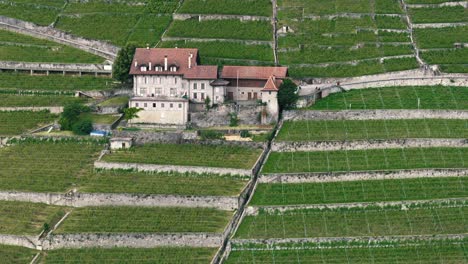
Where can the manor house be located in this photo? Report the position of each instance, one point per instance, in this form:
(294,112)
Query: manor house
(169,82)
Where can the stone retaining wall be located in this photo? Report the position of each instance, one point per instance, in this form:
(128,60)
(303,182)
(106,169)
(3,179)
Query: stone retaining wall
(131,240)
(361,175)
(202,17)
(100,48)
(460,82)
(439,25)
(375,239)
(51,109)
(170,168)
(254,210)
(21,241)
(102,199)
(179,137)
(374,114)
(61,67)
(284,146)
(246,42)
(418,77)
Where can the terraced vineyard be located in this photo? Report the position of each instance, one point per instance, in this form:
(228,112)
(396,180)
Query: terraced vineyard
(189,210)
(430,97)
(361,203)
(333,39)
(18,122)
(18,47)
(194,155)
(352,183)
(53,83)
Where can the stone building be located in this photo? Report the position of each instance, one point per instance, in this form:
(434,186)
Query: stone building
(168,82)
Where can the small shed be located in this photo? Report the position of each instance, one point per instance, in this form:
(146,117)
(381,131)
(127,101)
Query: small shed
(121,143)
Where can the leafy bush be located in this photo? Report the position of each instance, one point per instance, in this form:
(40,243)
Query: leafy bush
(82,127)
(123,62)
(245,134)
(233,120)
(211,134)
(287,95)
(71,114)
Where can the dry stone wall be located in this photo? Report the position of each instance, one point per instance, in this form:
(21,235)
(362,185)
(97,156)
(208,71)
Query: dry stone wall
(22,241)
(418,77)
(367,144)
(203,17)
(131,240)
(376,239)
(65,67)
(101,199)
(170,168)
(374,114)
(361,175)
(52,109)
(100,48)
(403,204)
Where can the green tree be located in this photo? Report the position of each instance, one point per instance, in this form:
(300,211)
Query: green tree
(82,127)
(131,113)
(71,114)
(123,62)
(207,103)
(287,95)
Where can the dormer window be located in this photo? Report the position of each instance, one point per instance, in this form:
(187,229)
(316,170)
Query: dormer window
(173,68)
(143,68)
(158,68)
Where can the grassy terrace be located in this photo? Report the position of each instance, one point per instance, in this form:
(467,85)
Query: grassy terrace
(228,7)
(127,27)
(222,29)
(360,191)
(115,101)
(446,37)
(37,100)
(310,130)
(17,47)
(342,39)
(100,119)
(359,69)
(354,222)
(216,52)
(446,14)
(162,183)
(431,97)
(21,218)
(451,251)
(144,220)
(42,12)
(365,160)
(18,122)
(46,166)
(188,155)
(20,81)
(131,22)
(130,255)
(16,255)
(57,167)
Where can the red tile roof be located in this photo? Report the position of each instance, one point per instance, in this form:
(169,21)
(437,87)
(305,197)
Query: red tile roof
(175,56)
(271,85)
(253,72)
(202,72)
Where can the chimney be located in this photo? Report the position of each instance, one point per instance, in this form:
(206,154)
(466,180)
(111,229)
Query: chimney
(165,63)
(190,61)
(149,67)
(136,64)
